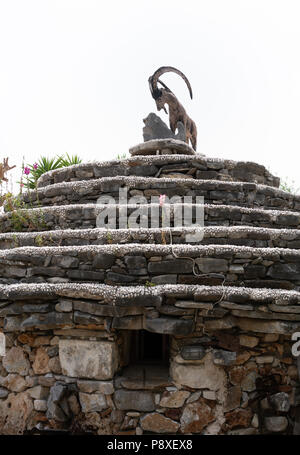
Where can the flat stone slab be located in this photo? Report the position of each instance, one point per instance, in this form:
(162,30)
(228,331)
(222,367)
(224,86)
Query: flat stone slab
(162,147)
(134,400)
(88,359)
(145,377)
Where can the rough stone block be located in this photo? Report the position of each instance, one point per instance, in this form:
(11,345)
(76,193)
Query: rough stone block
(206,375)
(193,352)
(128,400)
(175,266)
(88,359)
(157,423)
(92,402)
(208,265)
(169,325)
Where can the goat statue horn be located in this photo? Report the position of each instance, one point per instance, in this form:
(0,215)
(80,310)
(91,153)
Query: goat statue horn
(166,69)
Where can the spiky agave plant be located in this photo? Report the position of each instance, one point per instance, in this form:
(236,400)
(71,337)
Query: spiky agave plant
(69,160)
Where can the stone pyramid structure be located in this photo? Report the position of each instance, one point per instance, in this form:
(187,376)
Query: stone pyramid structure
(132,331)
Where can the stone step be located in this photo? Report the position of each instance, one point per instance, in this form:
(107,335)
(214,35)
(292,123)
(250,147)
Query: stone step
(93,309)
(187,166)
(214,235)
(84,216)
(134,264)
(213,192)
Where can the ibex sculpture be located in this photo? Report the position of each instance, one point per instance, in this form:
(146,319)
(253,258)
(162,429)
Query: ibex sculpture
(177,112)
(4,167)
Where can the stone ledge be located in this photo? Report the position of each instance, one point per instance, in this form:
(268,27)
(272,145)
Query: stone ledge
(203,308)
(218,192)
(231,235)
(152,165)
(125,294)
(82,216)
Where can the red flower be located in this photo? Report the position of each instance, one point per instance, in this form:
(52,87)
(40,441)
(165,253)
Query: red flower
(26,170)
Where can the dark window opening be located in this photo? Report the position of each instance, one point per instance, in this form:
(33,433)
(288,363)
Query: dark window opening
(148,347)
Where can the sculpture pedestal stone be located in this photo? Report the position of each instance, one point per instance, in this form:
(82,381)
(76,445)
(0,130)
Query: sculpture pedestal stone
(162,147)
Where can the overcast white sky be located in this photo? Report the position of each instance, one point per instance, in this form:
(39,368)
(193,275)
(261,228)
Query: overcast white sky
(73,76)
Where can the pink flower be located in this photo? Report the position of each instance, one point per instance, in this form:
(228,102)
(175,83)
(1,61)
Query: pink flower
(162,198)
(21,185)
(26,170)
(35,166)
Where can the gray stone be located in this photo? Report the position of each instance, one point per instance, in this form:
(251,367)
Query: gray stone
(248,384)
(285,271)
(174,266)
(280,401)
(88,359)
(13,323)
(164,279)
(169,325)
(16,361)
(103,261)
(55,412)
(92,402)
(155,128)
(40,405)
(57,392)
(38,392)
(67,262)
(233,398)
(87,319)
(3,392)
(20,308)
(54,365)
(206,375)
(128,323)
(120,277)
(48,321)
(192,352)
(107,387)
(208,265)
(128,400)
(46,271)
(86,275)
(276,424)
(135,262)
(222,357)
(64,306)
(194,397)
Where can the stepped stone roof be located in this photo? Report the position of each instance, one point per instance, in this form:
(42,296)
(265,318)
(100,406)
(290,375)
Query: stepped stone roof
(242,201)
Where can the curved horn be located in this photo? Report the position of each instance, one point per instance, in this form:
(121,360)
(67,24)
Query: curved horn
(164,86)
(166,69)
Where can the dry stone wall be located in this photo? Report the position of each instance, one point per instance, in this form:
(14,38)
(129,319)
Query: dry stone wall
(74,300)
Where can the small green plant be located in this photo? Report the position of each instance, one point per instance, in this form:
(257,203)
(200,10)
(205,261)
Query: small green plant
(289,185)
(15,240)
(123,156)
(149,284)
(21,218)
(109,237)
(39,241)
